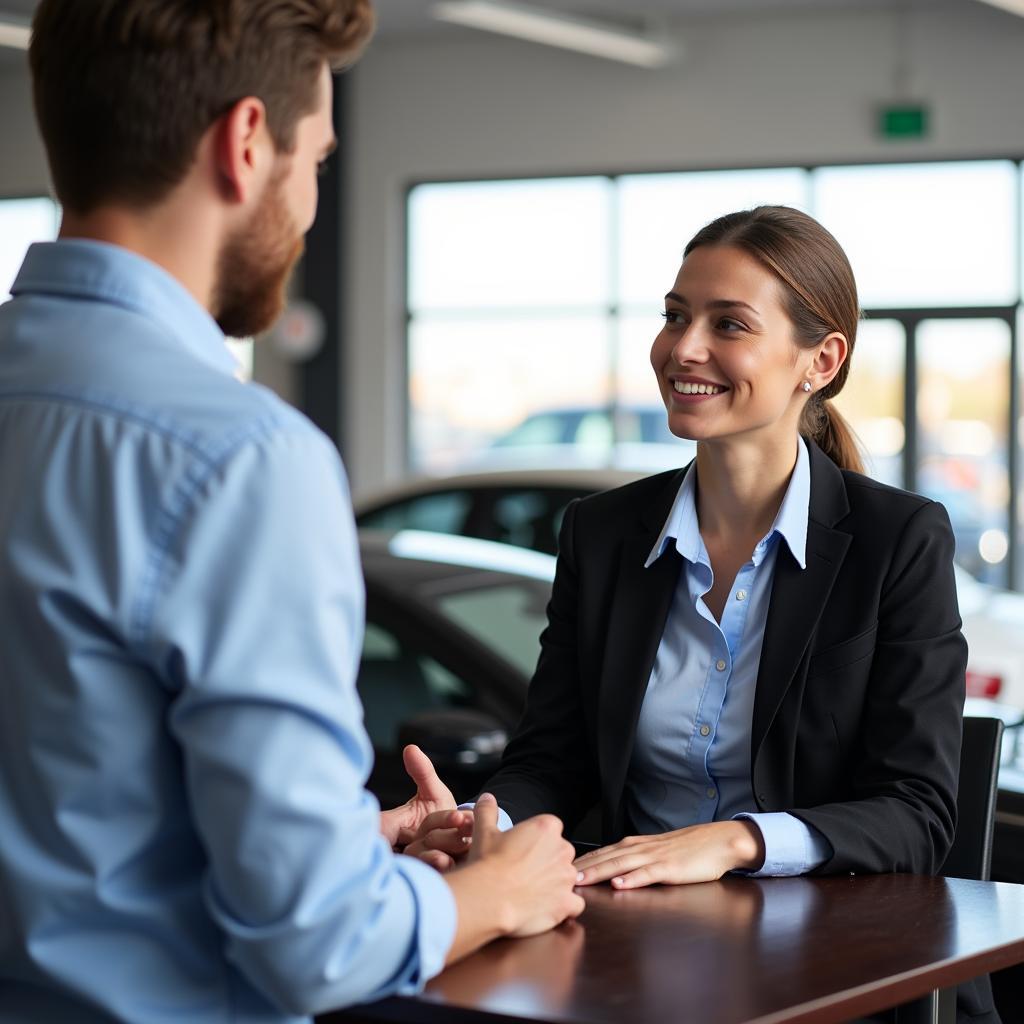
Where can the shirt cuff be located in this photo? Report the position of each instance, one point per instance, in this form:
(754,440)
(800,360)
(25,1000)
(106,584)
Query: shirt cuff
(791,846)
(504,821)
(436,920)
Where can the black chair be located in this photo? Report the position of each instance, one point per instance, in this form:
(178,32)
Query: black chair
(971,854)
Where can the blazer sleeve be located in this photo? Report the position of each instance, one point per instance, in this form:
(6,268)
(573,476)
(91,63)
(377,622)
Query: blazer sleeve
(903,772)
(548,766)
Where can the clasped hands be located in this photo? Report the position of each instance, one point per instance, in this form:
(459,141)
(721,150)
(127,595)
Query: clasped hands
(431,828)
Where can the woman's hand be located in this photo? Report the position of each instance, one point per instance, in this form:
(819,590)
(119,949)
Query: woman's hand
(700,853)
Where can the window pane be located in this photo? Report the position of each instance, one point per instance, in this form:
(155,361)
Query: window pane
(22,222)
(506,391)
(963,392)
(1019,583)
(924,234)
(509,244)
(660,213)
(872,399)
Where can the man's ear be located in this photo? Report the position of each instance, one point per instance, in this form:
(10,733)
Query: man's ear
(241,148)
(831,355)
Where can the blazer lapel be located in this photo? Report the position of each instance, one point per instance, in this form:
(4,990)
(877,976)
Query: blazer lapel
(636,622)
(799,595)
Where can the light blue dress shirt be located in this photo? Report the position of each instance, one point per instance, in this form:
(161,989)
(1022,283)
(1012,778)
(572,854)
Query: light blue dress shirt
(691,757)
(184,832)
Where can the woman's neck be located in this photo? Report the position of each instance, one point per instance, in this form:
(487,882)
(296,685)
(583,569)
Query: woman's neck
(740,486)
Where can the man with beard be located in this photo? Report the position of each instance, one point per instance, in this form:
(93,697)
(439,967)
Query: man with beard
(185,832)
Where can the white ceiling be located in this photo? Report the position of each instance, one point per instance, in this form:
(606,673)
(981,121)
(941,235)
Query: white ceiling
(396,18)
(405,17)
(401,17)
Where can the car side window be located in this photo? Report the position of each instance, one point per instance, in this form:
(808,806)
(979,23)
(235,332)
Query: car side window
(526,517)
(397,682)
(522,518)
(445,512)
(508,617)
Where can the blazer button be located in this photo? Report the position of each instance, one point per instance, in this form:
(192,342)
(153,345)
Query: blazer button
(762,798)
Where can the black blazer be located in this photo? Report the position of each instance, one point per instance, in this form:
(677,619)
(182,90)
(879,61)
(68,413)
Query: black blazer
(859,696)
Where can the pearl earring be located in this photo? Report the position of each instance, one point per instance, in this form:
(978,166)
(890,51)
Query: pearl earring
(807,385)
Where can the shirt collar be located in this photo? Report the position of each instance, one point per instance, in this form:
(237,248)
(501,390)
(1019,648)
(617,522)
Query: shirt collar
(87,269)
(790,523)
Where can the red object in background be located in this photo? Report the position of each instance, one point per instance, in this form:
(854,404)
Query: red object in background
(980,684)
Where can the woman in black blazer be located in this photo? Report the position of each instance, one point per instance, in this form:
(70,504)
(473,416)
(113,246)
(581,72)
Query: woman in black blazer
(853,725)
(766,640)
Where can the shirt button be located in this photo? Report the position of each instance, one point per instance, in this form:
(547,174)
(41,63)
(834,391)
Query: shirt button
(720,665)
(705,729)
(711,792)
(741,595)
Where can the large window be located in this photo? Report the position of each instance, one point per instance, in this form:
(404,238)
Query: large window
(532,306)
(22,222)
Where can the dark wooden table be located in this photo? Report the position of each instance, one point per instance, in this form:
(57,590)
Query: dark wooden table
(738,951)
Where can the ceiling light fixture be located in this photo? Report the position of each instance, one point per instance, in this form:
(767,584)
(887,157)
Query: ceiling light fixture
(596,38)
(15,35)
(1013,6)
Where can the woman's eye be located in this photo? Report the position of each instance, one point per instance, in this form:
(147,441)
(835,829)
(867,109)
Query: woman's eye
(671,317)
(728,324)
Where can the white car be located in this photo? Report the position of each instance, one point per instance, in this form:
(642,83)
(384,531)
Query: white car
(994,627)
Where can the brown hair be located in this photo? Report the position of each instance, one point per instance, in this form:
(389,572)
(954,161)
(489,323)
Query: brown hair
(125,89)
(820,296)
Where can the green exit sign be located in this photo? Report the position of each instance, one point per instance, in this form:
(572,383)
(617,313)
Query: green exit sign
(905,121)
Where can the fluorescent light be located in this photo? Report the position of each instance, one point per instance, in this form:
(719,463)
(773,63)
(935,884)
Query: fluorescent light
(1013,6)
(599,39)
(14,35)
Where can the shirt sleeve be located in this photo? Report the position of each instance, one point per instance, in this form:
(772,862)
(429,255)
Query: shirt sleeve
(791,846)
(254,617)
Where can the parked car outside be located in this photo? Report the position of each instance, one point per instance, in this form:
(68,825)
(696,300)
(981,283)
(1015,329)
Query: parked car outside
(626,435)
(525,508)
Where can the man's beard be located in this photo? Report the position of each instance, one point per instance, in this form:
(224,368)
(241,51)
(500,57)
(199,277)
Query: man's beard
(254,267)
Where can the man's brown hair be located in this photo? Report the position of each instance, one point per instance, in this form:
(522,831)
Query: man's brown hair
(125,89)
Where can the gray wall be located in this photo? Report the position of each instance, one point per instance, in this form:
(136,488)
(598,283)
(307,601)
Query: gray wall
(782,89)
(22,160)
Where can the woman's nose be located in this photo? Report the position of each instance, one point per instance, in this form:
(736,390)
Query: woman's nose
(689,344)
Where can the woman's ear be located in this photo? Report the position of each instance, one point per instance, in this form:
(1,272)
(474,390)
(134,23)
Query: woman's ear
(829,358)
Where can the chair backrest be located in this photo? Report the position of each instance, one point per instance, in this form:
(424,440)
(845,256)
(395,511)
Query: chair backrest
(971,854)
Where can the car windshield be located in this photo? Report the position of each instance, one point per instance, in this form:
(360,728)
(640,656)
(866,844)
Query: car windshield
(508,617)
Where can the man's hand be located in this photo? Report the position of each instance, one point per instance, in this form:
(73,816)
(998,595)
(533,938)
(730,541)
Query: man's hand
(401,824)
(442,840)
(700,853)
(517,883)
